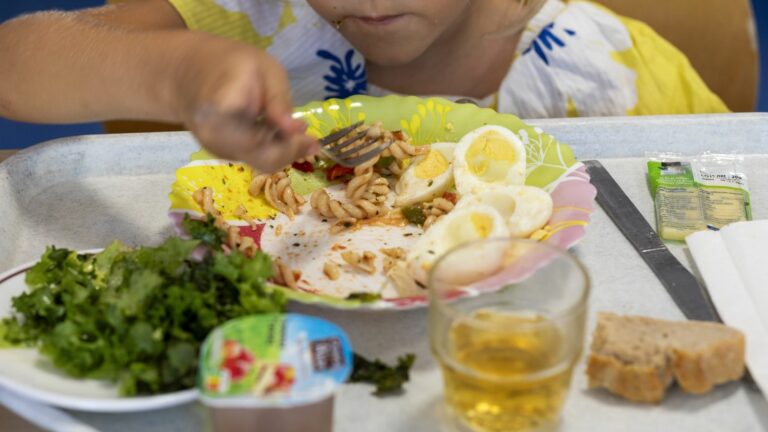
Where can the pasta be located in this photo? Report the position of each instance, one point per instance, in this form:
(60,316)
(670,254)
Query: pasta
(365,197)
(244,244)
(436,209)
(364,262)
(394,168)
(278,192)
(247,245)
(284,275)
(242,213)
(204,198)
(343,224)
(331,270)
(401,149)
(367,191)
(359,183)
(331,208)
(396,253)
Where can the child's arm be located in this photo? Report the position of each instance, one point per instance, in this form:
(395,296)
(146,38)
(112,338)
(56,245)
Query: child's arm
(138,61)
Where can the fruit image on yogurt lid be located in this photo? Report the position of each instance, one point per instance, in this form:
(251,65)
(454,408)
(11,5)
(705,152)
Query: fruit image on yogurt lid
(273,360)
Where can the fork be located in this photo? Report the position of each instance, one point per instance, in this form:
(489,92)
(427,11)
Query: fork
(347,146)
(350,149)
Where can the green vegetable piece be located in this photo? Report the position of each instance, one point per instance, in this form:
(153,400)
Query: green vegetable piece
(141,287)
(384,162)
(388,379)
(204,230)
(140,341)
(414,215)
(103,262)
(4,342)
(75,348)
(182,356)
(167,257)
(365,297)
(138,317)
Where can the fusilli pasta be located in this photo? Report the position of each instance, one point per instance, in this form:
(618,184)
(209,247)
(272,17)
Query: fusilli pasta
(364,262)
(436,209)
(204,198)
(278,192)
(331,208)
(284,275)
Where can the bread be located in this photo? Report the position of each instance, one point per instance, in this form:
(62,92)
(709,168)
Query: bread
(638,357)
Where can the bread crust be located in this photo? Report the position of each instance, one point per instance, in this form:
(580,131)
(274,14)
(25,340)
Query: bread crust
(635,382)
(697,368)
(698,372)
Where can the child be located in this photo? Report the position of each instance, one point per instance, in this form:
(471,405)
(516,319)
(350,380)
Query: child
(235,73)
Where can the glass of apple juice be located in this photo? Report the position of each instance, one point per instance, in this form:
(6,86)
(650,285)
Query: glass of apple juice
(506,324)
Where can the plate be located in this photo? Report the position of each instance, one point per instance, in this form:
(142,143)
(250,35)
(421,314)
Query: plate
(306,243)
(26,372)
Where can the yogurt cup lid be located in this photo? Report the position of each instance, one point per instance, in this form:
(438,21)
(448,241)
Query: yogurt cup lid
(273,360)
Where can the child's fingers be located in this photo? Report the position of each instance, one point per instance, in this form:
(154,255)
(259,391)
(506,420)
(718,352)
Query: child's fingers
(291,126)
(262,146)
(277,153)
(277,103)
(312,146)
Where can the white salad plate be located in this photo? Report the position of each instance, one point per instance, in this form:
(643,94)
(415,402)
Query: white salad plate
(26,372)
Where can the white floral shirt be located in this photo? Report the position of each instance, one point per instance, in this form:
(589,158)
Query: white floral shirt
(575,58)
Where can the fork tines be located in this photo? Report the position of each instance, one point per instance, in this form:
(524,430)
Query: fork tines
(349,147)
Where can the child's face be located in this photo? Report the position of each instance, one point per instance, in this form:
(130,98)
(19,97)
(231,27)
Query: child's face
(392,32)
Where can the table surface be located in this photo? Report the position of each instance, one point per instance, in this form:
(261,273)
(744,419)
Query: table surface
(116,187)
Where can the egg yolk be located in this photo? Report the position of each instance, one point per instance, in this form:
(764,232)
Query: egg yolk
(431,166)
(490,156)
(482,224)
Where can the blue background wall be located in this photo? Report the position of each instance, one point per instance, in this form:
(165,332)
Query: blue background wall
(761,16)
(15,134)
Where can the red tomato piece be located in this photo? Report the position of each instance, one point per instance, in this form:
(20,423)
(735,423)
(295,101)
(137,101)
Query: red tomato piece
(337,171)
(305,166)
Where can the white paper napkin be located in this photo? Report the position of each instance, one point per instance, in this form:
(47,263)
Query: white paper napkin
(734,265)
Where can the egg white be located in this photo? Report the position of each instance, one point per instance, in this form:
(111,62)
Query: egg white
(524,208)
(488,156)
(458,227)
(427,177)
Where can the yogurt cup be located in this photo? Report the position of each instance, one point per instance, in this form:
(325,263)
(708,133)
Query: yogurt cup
(273,372)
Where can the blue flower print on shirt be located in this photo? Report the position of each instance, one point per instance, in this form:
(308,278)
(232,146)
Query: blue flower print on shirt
(346,77)
(549,40)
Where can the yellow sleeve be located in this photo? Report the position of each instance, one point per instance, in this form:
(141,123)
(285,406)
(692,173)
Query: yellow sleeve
(666,81)
(210,17)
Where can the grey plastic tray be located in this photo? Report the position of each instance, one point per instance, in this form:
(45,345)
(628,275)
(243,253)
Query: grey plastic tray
(83,192)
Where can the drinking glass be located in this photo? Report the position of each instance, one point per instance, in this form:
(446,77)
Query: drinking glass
(506,323)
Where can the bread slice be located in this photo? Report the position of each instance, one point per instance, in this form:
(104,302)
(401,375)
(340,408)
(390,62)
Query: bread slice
(638,357)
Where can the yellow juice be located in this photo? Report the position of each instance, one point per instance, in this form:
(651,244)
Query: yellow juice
(511,375)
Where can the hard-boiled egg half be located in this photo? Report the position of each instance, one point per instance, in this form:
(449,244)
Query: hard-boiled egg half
(488,156)
(456,228)
(524,208)
(427,177)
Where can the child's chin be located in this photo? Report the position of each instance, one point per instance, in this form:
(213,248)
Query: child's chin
(388,51)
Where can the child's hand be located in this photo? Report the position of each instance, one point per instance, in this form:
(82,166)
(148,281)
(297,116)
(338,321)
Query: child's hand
(236,100)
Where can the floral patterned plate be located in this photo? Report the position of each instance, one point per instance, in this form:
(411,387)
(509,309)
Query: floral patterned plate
(306,242)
